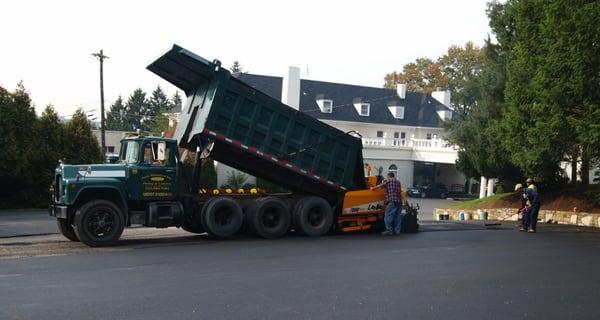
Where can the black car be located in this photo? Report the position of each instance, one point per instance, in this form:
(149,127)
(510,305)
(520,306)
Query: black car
(436,190)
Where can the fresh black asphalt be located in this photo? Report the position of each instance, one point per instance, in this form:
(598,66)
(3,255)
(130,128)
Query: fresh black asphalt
(449,271)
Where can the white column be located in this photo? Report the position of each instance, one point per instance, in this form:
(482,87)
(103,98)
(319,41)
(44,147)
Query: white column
(469,186)
(482,186)
(490,187)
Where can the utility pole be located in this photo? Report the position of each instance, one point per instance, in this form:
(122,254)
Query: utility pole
(100,55)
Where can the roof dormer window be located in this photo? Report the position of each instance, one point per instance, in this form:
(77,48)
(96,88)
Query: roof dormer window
(325,105)
(363,109)
(397,111)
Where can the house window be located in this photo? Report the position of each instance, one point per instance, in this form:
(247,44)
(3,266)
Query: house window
(111,149)
(326,106)
(402,135)
(397,111)
(396,135)
(379,134)
(364,109)
(428,136)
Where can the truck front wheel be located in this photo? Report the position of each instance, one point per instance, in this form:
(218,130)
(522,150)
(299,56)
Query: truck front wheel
(66,229)
(99,223)
(313,216)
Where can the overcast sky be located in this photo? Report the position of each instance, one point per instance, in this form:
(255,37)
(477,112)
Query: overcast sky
(48,44)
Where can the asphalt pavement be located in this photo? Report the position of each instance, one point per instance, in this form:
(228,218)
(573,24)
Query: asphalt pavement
(26,223)
(450,270)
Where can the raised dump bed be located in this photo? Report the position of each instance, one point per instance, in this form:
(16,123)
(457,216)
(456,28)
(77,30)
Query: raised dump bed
(251,131)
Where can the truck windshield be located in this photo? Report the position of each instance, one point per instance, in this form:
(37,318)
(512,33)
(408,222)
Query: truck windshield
(130,151)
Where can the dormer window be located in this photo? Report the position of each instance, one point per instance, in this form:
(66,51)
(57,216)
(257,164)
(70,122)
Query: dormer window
(363,109)
(326,106)
(397,111)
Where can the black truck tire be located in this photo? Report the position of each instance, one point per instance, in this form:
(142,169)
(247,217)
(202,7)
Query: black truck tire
(99,223)
(268,218)
(313,216)
(66,229)
(222,217)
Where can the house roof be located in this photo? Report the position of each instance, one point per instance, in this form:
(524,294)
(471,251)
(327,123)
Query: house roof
(420,109)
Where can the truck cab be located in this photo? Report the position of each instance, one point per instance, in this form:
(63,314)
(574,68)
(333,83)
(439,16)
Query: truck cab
(93,203)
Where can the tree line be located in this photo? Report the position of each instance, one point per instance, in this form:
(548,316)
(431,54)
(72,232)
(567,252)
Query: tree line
(529,99)
(31,147)
(142,112)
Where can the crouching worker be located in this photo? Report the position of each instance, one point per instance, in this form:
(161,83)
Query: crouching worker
(530,206)
(394,199)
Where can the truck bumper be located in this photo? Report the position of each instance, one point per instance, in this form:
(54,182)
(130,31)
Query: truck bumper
(57,211)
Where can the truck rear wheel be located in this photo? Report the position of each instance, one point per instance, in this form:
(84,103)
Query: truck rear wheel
(268,218)
(99,223)
(193,224)
(222,217)
(66,229)
(313,216)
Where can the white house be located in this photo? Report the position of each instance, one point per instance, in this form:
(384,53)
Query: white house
(401,130)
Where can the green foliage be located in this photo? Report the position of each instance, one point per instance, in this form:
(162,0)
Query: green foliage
(235,180)
(81,145)
(553,71)
(32,146)
(116,118)
(139,112)
(269,186)
(159,123)
(176,102)
(462,66)
(208,174)
(236,67)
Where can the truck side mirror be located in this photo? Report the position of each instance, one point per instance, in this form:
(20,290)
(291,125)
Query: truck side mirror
(158,150)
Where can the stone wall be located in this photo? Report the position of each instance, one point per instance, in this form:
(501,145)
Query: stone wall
(510,214)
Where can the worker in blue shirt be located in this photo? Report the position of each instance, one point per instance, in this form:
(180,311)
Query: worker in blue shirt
(530,205)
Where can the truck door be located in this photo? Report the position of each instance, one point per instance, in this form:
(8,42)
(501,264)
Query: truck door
(158,171)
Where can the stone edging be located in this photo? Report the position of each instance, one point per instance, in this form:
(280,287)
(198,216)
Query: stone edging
(510,214)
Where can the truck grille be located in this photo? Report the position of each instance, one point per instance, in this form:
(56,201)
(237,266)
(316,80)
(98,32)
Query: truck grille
(57,188)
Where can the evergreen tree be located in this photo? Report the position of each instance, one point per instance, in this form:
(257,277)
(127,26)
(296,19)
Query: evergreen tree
(155,120)
(236,67)
(116,118)
(136,110)
(176,102)
(51,148)
(81,145)
(19,142)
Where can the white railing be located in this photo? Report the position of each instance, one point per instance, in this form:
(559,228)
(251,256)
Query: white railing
(439,144)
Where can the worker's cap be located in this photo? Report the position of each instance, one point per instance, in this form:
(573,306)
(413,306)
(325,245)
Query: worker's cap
(518,186)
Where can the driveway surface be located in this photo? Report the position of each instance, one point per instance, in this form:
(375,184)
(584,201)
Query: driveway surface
(449,271)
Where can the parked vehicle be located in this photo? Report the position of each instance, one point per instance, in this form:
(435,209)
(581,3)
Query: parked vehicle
(436,190)
(235,124)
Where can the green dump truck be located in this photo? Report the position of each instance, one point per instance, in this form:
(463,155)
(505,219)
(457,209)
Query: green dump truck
(229,121)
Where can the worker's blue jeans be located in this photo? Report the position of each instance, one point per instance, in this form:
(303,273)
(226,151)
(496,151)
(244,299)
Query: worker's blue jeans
(530,218)
(393,217)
